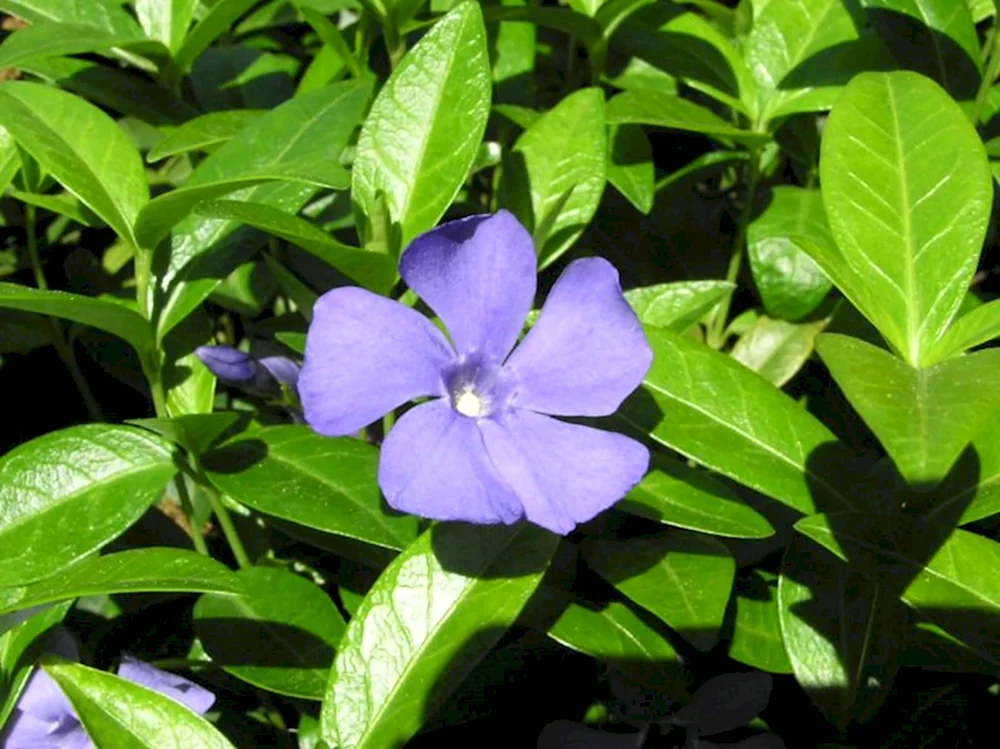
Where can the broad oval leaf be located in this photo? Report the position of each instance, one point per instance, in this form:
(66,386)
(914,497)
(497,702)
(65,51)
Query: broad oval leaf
(630,165)
(425,126)
(614,633)
(433,613)
(908,191)
(81,147)
(975,327)
(279,634)
(144,570)
(756,639)
(166,20)
(114,317)
(120,713)
(557,170)
(714,410)
(678,305)
(52,39)
(96,479)
(329,484)
(208,131)
(923,417)
(683,578)
(777,349)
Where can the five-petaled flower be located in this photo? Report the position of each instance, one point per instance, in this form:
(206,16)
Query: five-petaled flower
(486,448)
(45,719)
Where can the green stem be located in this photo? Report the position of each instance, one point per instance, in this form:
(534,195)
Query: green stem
(717,328)
(196,538)
(223,516)
(989,75)
(63,349)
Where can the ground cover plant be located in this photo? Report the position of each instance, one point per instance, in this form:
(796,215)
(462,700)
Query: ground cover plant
(608,373)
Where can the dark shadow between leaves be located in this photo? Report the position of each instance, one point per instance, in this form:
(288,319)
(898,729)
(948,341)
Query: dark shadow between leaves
(488,552)
(232,641)
(235,457)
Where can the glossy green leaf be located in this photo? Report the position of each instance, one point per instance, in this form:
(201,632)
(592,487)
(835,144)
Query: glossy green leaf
(675,494)
(907,190)
(776,349)
(81,147)
(372,270)
(96,479)
(310,129)
(144,570)
(331,36)
(756,639)
(974,487)
(790,283)
(205,132)
(196,433)
(923,417)
(166,20)
(714,410)
(557,172)
(113,317)
(683,578)
(679,305)
(103,14)
(820,600)
(978,326)
(433,613)
(674,112)
(117,712)
(329,484)
(613,633)
(53,39)
(947,578)
(630,165)
(215,22)
(279,634)
(9,161)
(423,131)
(22,636)
(63,204)
(802,53)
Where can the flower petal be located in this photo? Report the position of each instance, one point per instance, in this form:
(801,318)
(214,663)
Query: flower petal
(366,355)
(189,694)
(282,369)
(43,699)
(563,473)
(433,464)
(24,731)
(478,274)
(587,351)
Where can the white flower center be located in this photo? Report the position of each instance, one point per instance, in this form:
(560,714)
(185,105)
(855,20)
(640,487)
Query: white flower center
(468,403)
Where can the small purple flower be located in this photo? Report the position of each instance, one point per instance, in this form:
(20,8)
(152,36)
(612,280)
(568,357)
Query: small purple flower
(45,719)
(258,376)
(485,449)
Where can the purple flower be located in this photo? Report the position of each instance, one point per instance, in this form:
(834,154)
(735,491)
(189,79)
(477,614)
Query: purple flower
(258,376)
(485,449)
(45,719)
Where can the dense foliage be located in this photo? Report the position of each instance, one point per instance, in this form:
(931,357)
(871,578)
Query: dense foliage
(798,197)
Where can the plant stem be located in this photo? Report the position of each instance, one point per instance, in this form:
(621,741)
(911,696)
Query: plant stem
(196,538)
(717,328)
(63,349)
(989,75)
(224,518)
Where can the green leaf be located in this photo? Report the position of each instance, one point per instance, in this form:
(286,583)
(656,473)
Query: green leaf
(64,205)
(9,161)
(673,493)
(923,417)
(81,147)
(978,326)
(683,578)
(630,166)
(801,54)
(310,129)
(975,485)
(756,639)
(790,283)
(423,131)
(117,712)
(936,38)
(96,479)
(374,271)
(114,317)
(907,190)
(820,601)
(166,20)
(776,349)
(557,170)
(679,305)
(203,133)
(52,39)
(216,21)
(329,484)
(145,570)
(196,433)
(332,37)
(103,14)
(613,633)
(435,611)
(947,578)
(714,410)
(674,112)
(22,636)
(279,635)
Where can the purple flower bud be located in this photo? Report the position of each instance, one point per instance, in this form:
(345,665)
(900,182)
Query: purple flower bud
(256,376)
(45,719)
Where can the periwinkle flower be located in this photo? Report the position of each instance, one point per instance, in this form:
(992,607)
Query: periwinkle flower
(486,448)
(260,376)
(45,719)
